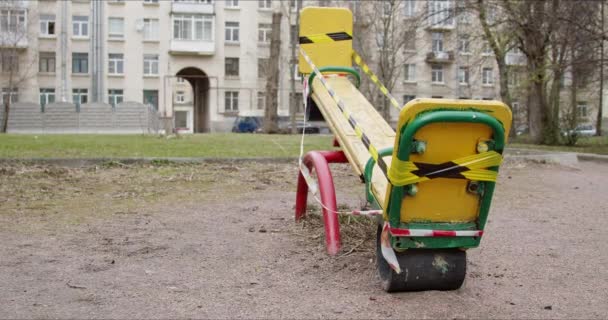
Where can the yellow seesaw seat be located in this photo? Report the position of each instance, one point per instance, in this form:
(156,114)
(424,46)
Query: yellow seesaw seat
(444,199)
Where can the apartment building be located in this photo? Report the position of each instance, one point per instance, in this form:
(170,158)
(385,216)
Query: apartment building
(198,62)
(202,62)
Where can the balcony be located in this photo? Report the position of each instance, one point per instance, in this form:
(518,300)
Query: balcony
(192,47)
(192,6)
(440,57)
(515,59)
(13,41)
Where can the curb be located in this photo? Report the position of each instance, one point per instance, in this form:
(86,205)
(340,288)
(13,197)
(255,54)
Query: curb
(563,158)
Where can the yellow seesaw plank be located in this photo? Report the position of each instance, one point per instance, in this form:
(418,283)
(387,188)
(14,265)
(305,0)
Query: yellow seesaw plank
(368,118)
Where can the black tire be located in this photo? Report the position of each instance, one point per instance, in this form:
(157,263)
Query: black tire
(422,269)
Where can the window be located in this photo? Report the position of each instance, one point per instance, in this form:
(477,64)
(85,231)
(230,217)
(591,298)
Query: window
(437,97)
(232,31)
(193,27)
(294,33)
(264,30)
(115,97)
(180,97)
(440,13)
(231,101)
(80,62)
(10,61)
(410,72)
(80,96)
(582,109)
(263,67)
(464,17)
(487,49)
(232,3)
(295,4)
(151,30)
(151,98)
(181,80)
(437,41)
(116,63)
(46,62)
(299,103)
(116,28)
(150,64)
(296,73)
(464,44)
(410,8)
(410,40)
(487,76)
(516,50)
(150,1)
(261,100)
(47,24)
(181,119)
(515,106)
(265,4)
(47,95)
(117,1)
(12,20)
(407,98)
(463,75)
(437,74)
(232,67)
(80,26)
(195,1)
(514,79)
(387,9)
(9,96)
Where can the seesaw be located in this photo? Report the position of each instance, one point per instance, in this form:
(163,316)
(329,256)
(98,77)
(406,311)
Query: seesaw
(430,182)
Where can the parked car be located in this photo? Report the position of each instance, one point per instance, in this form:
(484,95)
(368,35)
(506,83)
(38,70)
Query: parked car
(247,124)
(521,130)
(308,128)
(581,131)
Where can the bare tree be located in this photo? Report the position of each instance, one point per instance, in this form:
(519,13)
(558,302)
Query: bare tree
(16,65)
(382,32)
(498,34)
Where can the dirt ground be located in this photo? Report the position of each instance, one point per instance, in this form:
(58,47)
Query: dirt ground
(219,241)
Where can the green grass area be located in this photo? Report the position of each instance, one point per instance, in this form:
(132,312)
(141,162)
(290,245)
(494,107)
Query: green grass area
(597,145)
(216,145)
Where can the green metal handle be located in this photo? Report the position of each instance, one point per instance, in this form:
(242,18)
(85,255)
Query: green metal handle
(369,169)
(403,153)
(348,70)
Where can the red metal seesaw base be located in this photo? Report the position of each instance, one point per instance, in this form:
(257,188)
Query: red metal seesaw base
(320,160)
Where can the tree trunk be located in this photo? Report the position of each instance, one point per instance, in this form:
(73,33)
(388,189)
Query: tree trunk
(598,121)
(293,108)
(6,111)
(272,83)
(505,94)
(551,135)
(536,106)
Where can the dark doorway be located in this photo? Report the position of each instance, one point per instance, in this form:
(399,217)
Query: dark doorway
(200,92)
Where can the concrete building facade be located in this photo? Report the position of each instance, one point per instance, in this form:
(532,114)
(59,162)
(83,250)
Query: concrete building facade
(200,63)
